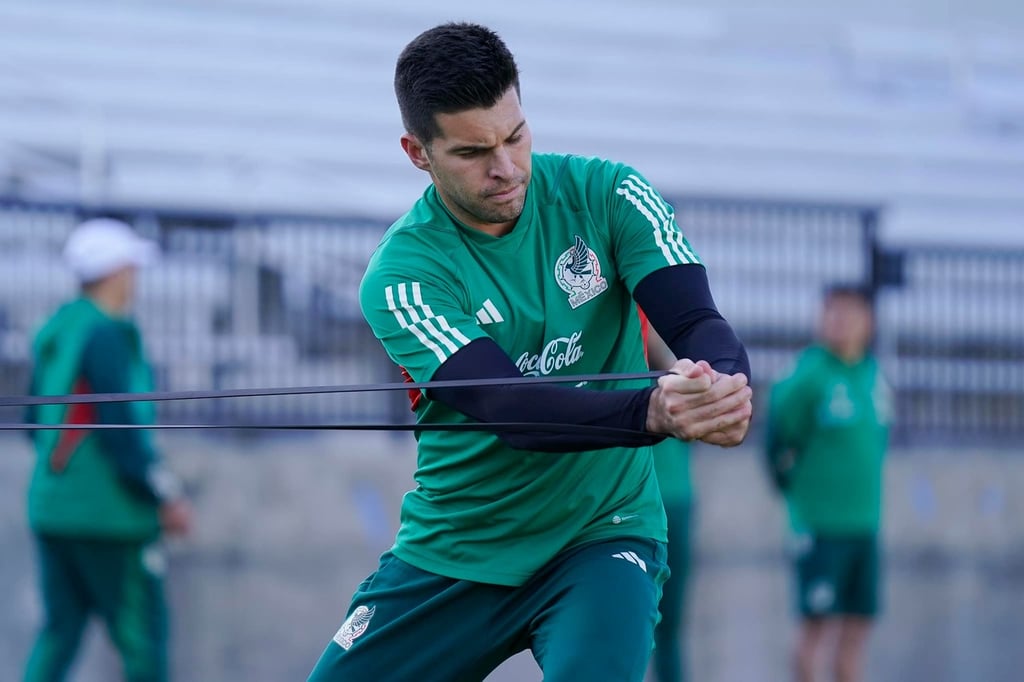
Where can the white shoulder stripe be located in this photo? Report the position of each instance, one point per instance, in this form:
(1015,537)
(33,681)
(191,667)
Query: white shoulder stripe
(655,223)
(454,331)
(433,331)
(668,237)
(436,333)
(390,296)
(403,299)
(665,222)
(673,235)
(417,299)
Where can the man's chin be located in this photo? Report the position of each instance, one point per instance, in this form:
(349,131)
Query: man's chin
(511,213)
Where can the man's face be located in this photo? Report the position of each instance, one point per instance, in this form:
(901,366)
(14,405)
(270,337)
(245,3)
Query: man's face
(480,163)
(122,284)
(847,325)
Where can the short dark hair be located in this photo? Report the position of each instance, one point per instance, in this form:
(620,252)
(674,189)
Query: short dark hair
(450,68)
(860,292)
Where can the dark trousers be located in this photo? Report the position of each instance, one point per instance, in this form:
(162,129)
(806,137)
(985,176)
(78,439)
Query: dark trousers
(669,637)
(120,582)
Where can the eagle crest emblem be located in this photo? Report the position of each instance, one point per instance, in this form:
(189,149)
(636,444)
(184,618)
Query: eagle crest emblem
(354,626)
(578,273)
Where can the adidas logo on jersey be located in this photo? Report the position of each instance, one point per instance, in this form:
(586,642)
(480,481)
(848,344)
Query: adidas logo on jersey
(489,314)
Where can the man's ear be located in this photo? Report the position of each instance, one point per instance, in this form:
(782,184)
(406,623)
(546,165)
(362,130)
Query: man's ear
(416,151)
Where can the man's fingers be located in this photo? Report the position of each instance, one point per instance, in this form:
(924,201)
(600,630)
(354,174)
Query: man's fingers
(697,421)
(739,415)
(729,429)
(723,421)
(689,377)
(724,405)
(686,377)
(707,369)
(694,402)
(701,366)
(687,368)
(726,384)
(730,437)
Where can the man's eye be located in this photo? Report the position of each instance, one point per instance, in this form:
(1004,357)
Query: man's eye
(515,139)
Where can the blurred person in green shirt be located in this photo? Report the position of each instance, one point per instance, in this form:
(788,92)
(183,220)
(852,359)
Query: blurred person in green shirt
(98,500)
(672,468)
(826,440)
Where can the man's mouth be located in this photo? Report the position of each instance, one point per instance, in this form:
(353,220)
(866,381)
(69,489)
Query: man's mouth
(503,193)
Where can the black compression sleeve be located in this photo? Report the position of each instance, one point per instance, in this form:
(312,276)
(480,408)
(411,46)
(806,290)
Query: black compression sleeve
(482,358)
(678,302)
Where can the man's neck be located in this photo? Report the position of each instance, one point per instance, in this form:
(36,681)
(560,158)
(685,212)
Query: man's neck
(849,356)
(106,301)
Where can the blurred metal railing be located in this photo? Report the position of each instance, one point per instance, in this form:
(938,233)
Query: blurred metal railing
(270,300)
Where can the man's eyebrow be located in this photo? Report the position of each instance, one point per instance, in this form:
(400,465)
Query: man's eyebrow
(462,149)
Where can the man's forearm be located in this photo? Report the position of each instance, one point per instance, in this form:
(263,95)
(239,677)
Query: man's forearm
(677,300)
(622,409)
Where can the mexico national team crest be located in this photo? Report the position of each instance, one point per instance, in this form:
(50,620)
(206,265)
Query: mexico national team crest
(578,272)
(354,626)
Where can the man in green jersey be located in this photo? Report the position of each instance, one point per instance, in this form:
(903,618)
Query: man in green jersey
(98,500)
(519,264)
(827,434)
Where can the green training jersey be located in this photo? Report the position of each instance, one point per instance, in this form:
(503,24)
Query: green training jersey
(76,489)
(672,465)
(833,417)
(555,294)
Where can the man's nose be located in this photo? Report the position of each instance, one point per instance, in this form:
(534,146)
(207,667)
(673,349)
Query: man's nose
(502,165)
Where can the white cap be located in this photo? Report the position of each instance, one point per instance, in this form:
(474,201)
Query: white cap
(102,246)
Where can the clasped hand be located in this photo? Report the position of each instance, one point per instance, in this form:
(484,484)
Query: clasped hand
(695,402)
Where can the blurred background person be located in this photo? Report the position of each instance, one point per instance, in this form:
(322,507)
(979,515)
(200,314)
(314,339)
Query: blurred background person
(827,435)
(98,500)
(672,467)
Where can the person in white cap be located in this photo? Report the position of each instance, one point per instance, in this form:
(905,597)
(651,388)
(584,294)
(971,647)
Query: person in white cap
(99,500)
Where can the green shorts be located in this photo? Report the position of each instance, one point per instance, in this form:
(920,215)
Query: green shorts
(837,575)
(588,614)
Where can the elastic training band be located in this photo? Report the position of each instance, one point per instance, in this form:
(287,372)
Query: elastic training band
(496,427)
(164,396)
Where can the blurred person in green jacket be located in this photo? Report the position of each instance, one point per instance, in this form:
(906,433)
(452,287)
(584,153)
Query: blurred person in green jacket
(98,500)
(826,440)
(672,468)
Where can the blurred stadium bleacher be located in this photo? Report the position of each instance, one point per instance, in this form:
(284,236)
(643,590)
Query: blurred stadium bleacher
(288,105)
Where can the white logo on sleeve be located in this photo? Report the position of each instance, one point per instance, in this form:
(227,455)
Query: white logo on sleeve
(578,273)
(354,626)
(632,558)
(488,314)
